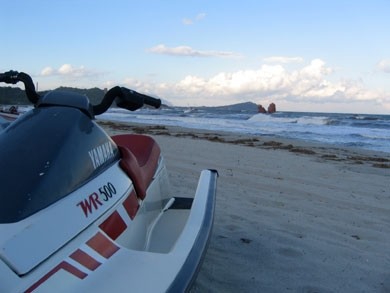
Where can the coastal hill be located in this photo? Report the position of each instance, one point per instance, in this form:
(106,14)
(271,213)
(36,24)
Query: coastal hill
(16,96)
(240,107)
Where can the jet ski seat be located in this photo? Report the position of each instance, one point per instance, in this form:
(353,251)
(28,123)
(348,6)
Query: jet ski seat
(140,155)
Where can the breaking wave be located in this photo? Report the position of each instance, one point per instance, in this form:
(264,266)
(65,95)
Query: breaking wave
(309,120)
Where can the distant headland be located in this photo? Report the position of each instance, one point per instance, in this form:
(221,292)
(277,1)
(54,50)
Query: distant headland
(16,96)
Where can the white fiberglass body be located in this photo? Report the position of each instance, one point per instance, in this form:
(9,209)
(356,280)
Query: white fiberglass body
(112,242)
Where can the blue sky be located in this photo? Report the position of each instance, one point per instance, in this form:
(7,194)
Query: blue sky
(331,56)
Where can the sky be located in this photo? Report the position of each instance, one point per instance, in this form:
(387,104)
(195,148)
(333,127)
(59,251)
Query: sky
(318,55)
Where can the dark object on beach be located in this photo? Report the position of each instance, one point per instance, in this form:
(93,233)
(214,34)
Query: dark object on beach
(10,109)
(9,113)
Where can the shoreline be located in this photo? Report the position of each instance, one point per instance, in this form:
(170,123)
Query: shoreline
(322,151)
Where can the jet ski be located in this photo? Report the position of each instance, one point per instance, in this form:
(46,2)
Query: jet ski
(85,212)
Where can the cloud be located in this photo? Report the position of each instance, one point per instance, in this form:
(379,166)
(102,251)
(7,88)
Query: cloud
(190,52)
(187,21)
(47,71)
(384,65)
(272,82)
(68,70)
(281,59)
(190,21)
(267,80)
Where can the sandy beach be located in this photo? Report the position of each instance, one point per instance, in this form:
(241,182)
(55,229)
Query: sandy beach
(290,216)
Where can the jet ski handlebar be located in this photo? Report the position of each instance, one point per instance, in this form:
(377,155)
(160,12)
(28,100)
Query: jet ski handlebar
(12,77)
(124,97)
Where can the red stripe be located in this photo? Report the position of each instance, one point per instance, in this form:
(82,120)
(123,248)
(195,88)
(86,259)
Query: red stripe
(131,204)
(102,245)
(62,265)
(85,259)
(114,225)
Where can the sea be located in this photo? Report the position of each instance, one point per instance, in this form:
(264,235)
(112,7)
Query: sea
(365,131)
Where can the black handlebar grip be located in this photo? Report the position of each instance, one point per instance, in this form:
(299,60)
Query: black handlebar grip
(152,102)
(13,77)
(10,77)
(147,99)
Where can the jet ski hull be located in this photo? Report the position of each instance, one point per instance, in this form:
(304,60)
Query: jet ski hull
(159,250)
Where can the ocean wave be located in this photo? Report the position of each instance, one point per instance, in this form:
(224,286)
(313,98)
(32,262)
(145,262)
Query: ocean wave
(336,129)
(362,117)
(307,120)
(373,136)
(271,118)
(316,120)
(373,124)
